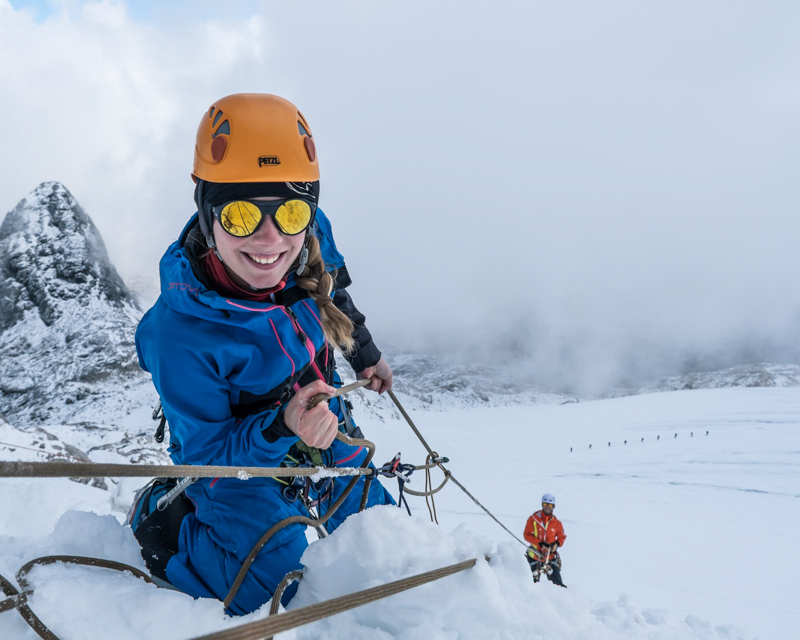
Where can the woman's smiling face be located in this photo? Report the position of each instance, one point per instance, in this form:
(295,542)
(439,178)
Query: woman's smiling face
(260,260)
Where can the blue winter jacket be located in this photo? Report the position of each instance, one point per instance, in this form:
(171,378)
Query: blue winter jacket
(225,368)
(210,354)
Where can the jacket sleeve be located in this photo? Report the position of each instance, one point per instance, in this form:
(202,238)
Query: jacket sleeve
(366,353)
(196,403)
(530,532)
(560,535)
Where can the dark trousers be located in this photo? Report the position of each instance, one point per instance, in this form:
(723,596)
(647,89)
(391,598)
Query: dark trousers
(554,577)
(158,535)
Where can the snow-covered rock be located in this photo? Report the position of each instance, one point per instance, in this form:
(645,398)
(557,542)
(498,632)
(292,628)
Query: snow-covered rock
(760,374)
(67,320)
(744,375)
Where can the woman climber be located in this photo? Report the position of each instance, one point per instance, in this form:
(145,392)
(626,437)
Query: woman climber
(253,301)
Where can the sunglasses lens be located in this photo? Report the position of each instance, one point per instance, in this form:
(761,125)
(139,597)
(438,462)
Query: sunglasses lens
(240,218)
(293,216)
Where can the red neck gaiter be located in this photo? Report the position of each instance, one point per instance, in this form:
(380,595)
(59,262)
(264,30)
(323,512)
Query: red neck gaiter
(222,282)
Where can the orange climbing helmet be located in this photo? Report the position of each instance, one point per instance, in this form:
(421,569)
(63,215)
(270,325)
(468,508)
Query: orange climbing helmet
(254,137)
(252,145)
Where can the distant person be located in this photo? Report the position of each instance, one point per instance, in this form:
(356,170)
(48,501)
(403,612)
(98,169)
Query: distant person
(546,535)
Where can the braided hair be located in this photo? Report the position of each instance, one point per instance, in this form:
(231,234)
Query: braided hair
(318,282)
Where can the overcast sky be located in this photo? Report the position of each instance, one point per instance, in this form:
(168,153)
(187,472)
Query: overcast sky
(608,189)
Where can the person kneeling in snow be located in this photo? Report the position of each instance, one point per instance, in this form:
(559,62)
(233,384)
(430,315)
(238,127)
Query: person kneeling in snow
(252,304)
(546,534)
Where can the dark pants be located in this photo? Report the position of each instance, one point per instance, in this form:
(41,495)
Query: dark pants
(554,576)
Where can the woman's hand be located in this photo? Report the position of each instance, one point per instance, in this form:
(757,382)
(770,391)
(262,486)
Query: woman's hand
(381,374)
(316,427)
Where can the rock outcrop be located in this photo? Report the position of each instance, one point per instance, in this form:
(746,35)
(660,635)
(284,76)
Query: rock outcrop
(67,320)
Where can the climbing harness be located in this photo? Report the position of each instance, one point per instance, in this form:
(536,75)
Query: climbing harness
(299,479)
(318,522)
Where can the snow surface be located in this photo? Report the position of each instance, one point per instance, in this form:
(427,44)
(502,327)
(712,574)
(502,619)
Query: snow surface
(667,537)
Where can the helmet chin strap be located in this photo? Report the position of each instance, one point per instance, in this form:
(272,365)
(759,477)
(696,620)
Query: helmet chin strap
(301,266)
(205,227)
(208,232)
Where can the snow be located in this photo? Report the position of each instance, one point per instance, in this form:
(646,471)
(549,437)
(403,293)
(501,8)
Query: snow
(673,537)
(323,472)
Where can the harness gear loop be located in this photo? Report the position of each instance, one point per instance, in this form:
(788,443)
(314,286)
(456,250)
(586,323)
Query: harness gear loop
(165,500)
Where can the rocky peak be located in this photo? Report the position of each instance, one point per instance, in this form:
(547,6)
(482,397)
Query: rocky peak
(67,319)
(51,252)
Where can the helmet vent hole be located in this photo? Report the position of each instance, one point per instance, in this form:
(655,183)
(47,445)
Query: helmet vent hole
(303,131)
(303,120)
(219,115)
(211,112)
(225,128)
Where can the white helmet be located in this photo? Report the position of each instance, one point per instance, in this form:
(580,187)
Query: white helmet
(549,498)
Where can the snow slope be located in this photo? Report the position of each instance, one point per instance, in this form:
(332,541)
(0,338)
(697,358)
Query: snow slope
(672,537)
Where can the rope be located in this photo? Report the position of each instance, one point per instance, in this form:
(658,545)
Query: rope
(19,601)
(410,422)
(429,494)
(448,474)
(275,623)
(276,597)
(491,515)
(98,470)
(340,391)
(49,454)
(311,613)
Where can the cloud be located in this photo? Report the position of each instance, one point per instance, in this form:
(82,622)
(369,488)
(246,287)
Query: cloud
(109,106)
(586,191)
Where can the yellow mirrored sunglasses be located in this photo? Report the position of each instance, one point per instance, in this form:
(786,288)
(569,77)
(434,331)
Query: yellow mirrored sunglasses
(242,218)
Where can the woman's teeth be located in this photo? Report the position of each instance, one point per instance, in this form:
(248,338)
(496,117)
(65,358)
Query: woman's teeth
(261,260)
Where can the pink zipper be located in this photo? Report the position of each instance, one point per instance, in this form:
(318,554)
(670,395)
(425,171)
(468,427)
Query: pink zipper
(312,353)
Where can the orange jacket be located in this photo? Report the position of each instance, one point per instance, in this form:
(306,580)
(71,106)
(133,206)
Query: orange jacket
(541,528)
